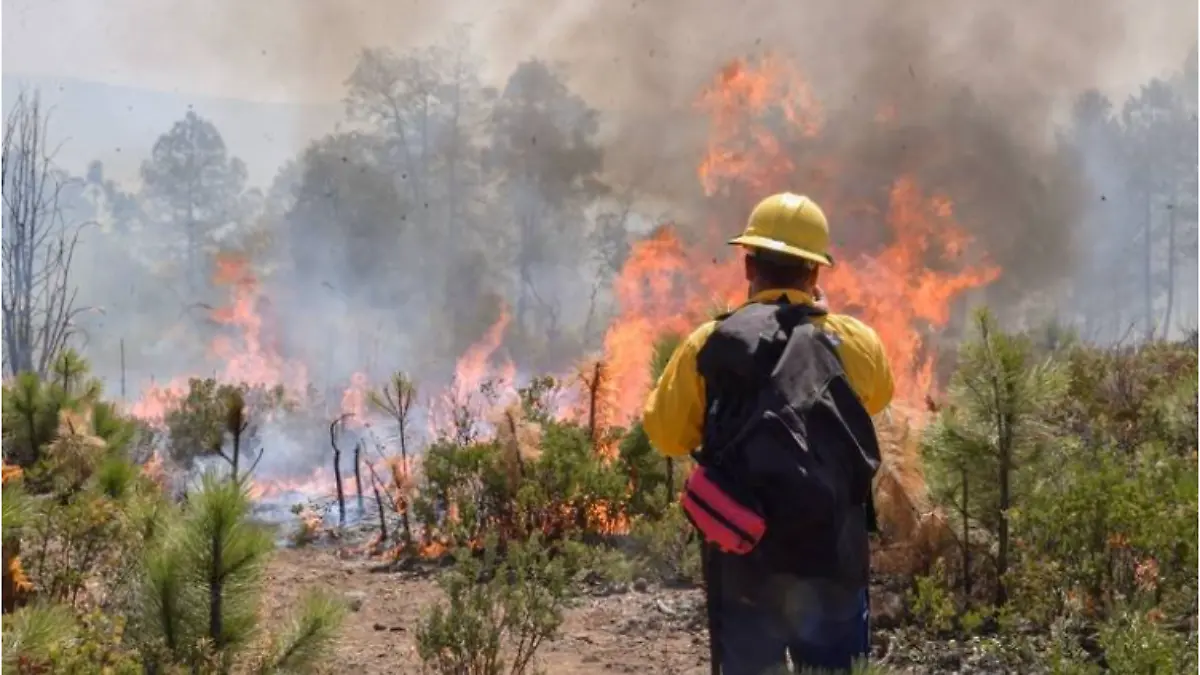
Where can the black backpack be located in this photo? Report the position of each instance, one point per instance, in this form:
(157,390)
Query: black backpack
(789,451)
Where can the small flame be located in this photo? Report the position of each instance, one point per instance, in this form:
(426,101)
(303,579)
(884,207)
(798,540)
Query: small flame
(354,400)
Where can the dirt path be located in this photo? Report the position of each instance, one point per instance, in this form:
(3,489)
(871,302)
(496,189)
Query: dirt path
(635,632)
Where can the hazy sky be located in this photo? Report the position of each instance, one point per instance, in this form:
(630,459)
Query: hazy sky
(301,50)
(211,54)
(262,50)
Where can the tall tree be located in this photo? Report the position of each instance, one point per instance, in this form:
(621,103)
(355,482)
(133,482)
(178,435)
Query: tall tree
(348,216)
(1104,279)
(192,183)
(1158,149)
(38,303)
(543,144)
(427,105)
(426,108)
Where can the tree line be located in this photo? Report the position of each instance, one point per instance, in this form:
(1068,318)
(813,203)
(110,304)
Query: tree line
(444,199)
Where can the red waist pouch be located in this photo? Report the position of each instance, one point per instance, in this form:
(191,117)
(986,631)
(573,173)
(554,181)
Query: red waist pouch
(724,520)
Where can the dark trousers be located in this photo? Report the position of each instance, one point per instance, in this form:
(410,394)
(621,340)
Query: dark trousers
(816,623)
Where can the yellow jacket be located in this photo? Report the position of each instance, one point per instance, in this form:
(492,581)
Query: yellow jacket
(674,414)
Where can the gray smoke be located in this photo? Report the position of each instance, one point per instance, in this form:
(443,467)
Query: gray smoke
(977,90)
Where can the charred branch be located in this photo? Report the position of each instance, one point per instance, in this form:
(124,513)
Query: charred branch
(358,475)
(337,467)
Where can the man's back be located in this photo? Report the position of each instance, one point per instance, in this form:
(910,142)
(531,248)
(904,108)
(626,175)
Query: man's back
(674,412)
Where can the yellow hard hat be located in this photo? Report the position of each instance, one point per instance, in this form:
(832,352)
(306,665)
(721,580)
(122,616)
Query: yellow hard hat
(790,224)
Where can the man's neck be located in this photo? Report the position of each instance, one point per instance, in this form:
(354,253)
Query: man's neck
(755,289)
(794,296)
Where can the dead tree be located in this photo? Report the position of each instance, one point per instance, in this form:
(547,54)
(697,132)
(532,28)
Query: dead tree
(383,529)
(358,475)
(337,468)
(38,248)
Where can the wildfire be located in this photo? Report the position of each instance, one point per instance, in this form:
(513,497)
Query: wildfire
(247,358)
(767,134)
(252,359)
(761,116)
(473,370)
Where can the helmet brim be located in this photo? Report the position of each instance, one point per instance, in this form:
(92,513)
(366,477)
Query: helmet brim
(780,247)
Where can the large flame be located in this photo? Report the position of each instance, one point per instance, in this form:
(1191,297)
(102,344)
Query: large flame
(476,368)
(248,356)
(767,134)
(760,113)
(245,355)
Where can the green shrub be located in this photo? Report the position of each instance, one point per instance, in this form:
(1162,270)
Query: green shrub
(498,611)
(1134,644)
(667,547)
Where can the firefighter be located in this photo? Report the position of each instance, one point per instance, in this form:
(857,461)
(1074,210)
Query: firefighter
(758,616)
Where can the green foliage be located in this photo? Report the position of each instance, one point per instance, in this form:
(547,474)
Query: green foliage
(668,550)
(32,633)
(1134,644)
(498,611)
(212,415)
(86,526)
(1101,497)
(99,543)
(32,406)
(307,639)
(202,586)
(544,477)
(933,607)
(51,639)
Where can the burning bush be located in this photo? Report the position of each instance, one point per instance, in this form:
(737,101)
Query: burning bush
(566,489)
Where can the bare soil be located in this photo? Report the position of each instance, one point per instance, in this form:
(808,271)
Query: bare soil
(640,631)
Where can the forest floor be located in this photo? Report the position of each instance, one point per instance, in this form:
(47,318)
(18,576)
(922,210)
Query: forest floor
(639,628)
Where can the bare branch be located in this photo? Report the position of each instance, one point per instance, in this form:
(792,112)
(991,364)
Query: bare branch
(38,250)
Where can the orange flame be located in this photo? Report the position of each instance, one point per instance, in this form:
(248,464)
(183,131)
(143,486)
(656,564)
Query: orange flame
(354,400)
(248,358)
(669,287)
(473,370)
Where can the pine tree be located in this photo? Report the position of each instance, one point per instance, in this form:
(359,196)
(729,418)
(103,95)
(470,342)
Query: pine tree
(992,429)
(203,585)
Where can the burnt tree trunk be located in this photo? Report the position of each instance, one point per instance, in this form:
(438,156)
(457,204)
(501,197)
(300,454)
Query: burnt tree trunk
(383,531)
(358,475)
(593,397)
(337,472)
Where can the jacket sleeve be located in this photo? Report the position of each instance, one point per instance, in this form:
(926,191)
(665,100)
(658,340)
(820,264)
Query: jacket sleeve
(866,362)
(674,414)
